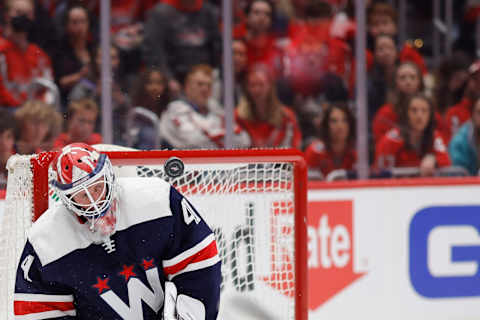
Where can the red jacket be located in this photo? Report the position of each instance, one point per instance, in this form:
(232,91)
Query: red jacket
(318,157)
(64,139)
(264,135)
(457,115)
(391,152)
(311,53)
(409,53)
(177,4)
(262,49)
(17,70)
(386,119)
(126,12)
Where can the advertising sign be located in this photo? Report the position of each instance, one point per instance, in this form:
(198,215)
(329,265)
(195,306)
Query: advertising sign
(394,251)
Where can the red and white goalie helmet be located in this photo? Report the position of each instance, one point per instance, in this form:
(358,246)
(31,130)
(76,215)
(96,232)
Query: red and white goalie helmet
(85,181)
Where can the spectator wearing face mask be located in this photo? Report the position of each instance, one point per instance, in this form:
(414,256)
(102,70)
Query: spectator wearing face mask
(20,60)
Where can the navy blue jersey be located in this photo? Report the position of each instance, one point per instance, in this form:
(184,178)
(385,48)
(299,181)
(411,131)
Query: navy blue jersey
(160,237)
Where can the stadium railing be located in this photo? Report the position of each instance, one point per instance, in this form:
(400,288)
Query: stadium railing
(406,172)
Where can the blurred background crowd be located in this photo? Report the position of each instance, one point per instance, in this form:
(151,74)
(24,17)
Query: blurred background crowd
(294,73)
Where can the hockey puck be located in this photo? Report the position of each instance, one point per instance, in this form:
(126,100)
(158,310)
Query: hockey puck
(174,167)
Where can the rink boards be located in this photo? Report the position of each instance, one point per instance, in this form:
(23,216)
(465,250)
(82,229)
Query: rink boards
(409,249)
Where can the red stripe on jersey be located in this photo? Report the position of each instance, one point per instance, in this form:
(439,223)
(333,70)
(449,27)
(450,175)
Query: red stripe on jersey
(29,307)
(204,254)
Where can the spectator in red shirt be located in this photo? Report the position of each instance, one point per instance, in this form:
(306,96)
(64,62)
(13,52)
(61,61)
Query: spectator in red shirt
(416,143)
(262,46)
(408,81)
(336,147)
(38,125)
(259,112)
(313,52)
(7,141)
(458,114)
(81,117)
(314,64)
(20,60)
(261,41)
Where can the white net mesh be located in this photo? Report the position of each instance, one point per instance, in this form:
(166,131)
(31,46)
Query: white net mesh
(250,207)
(16,220)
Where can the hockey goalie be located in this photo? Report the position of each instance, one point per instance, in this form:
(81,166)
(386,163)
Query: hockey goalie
(116,249)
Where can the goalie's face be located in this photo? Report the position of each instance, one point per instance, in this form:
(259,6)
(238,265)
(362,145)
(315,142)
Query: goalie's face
(86,185)
(91,201)
(91,198)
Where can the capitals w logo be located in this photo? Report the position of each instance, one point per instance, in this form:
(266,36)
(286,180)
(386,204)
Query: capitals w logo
(137,292)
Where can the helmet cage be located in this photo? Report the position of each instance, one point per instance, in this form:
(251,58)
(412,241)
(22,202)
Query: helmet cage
(102,175)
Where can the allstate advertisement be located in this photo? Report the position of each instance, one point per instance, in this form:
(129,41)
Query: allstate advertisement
(394,252)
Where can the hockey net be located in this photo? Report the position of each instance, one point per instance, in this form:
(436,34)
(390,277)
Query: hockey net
(255,201)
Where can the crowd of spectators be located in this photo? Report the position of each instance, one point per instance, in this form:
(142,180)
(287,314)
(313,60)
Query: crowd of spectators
(294,70)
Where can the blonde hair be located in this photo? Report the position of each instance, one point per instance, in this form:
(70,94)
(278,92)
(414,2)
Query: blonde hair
(8,4)
(199,68)
(246,106)
(39,111)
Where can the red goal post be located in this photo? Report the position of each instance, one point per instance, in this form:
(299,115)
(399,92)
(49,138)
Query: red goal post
(262,239)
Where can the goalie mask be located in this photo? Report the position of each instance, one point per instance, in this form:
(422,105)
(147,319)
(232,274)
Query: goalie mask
(85,183)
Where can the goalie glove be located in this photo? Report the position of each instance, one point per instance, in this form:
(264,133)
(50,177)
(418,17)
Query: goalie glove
(181,307)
